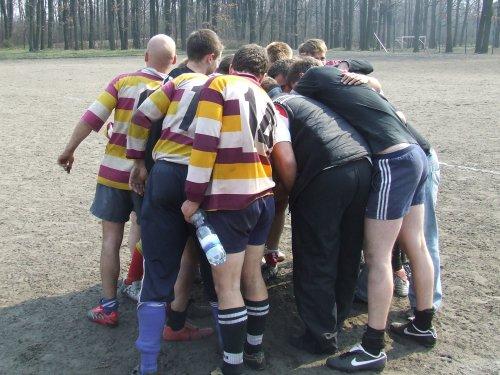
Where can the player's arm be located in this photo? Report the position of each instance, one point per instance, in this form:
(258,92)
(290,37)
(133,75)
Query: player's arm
(355,79)
(205,145)
(93,119)
(356,66)
(152,109)
(283,158)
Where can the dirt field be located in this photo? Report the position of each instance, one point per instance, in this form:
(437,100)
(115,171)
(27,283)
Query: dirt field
(49,242)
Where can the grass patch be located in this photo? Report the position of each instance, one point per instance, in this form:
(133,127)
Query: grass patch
(21,54)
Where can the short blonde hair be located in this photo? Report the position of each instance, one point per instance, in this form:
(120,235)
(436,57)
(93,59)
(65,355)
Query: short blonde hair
(278,51)
(312,46)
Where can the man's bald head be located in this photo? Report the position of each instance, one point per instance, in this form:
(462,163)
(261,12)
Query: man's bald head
(160,53)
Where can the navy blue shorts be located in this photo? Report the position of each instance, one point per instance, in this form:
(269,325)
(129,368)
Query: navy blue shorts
(115,205)
(239,228)
(397,183)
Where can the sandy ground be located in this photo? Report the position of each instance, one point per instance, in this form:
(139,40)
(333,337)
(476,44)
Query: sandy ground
(49,242)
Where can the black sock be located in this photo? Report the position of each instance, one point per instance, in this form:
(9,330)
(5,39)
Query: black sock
(176,319)
(257,314)
(423,319)
(233,327)
(373,340)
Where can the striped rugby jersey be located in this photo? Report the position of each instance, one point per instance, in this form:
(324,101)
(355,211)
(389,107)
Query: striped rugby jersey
(235,130)
(120,95)
(175,101)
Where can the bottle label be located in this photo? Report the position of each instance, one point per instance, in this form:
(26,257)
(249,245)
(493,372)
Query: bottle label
(208,241)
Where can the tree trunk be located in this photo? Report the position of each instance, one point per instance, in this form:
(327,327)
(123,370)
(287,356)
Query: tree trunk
(274,19)
(369,24)
(326,33)
(136,34)
(416,27)
(111,24)
(449,40)
(81,19)
(496,38)
(183,20)
(215,15)
(295,26)
(432,34)
(457,15)
(252,16)
(91,35)
(244,15)
(337,16)
(389,24)
(362,25)
(3,11)
(119,13)
(464,23)
(30,12)
(38,28)
(50,24)
(425,16)
(483,35)
(167,16)
(350,22)
(65,24)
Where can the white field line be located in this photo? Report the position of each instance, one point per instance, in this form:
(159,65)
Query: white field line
(470,168)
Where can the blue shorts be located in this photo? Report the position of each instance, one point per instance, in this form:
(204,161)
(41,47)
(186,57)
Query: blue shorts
(115,205)
(239,228)
(397,183)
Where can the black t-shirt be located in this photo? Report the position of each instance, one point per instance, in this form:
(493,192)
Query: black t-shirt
(366,110)
(177,72)
(321,139)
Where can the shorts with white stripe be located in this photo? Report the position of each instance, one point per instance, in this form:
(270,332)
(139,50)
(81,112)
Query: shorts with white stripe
(397,183)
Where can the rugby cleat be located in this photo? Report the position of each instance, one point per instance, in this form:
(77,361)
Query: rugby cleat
(358,359)
(97,315)
(188,333)
(256,361)
(132,291)
(401,286)
(426,338)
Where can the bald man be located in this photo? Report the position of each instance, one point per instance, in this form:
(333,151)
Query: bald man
(114,201)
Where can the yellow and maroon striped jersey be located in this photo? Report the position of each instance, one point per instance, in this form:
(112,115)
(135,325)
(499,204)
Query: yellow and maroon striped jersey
(235,129)
(175,102)
(120,95)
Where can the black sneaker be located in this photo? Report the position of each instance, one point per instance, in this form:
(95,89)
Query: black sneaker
(256,361)
(426,338)
(358,359)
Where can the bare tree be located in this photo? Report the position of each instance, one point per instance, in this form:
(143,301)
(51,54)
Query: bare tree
(432,34)
(449,40)
(457,15)
(416,26)
(483,34)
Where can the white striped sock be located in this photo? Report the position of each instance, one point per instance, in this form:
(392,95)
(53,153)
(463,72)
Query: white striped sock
(233,358)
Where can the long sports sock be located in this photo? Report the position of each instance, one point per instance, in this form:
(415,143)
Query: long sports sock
(135,269)
(151,317)
(257,314)
(373,340)
(233,326)
(176,319)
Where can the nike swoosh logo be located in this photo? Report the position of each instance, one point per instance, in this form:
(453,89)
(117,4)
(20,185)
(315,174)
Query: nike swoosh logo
(418,334)
(355,362)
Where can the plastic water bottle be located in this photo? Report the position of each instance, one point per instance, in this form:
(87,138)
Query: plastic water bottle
(208,239)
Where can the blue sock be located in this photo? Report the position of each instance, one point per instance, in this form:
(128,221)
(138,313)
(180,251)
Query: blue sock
(215,314)
(151,316)
(109,305)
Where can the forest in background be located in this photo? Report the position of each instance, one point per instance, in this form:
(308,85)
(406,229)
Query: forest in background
(348,24)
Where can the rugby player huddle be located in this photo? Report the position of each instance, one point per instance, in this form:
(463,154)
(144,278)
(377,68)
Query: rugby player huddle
(242,139)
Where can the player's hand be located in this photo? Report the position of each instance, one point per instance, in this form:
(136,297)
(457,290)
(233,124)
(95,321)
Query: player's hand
(138,176)
(353,79)
(65,160)
(188,209)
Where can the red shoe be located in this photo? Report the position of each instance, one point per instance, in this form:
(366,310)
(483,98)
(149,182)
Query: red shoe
(97,315)
(188,333)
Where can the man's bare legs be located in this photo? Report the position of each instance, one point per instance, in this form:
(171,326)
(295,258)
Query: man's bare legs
(134,235)
(186,276)
(112,236)
(227,278)
(380,236)
(254,288)
(413,242)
